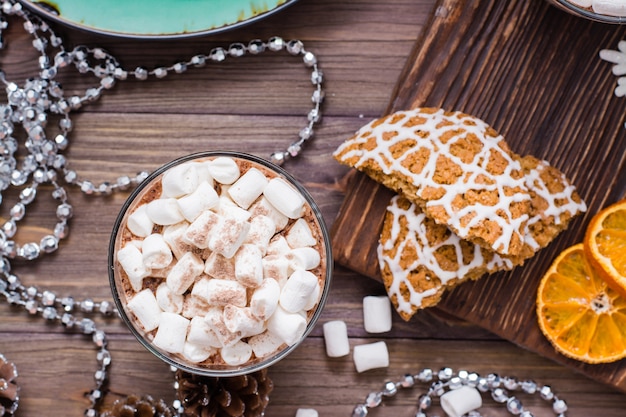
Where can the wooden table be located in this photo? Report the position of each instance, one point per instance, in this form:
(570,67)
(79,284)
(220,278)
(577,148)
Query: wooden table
(256,104)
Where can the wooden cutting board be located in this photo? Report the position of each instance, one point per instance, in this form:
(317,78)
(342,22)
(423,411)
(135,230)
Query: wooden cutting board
(533,73)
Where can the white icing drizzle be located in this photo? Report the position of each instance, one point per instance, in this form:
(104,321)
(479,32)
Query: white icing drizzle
(472,170)
(417,238)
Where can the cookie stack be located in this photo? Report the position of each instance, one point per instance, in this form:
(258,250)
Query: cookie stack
(466,204)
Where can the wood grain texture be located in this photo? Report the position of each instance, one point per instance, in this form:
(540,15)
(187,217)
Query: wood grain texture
(534,74)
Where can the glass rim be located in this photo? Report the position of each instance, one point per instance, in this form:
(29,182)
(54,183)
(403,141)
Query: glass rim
(227,371)
(588,14)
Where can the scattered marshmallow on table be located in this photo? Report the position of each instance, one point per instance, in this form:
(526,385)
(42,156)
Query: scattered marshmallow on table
(458,402)
(336,338)
(377,314)
(370,356)
(306,412)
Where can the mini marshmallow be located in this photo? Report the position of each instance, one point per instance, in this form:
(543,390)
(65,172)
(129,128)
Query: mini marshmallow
(277,267)
(168,301)
(284,198)
(218,266)
(228,208)
(215,320)
(336,339)
(179,180)
(174,236)
(220,292)
(195,306)
(370,356)
(248,187)
(200,333)
(264,344)
(264,300)
(300,235)
(236,354)
(377,314)
(313,299)
(306,412)
(196,353)
(131,261)
(164,211)
(156,253)
(297,290)
(610,7)
(288,327)
(278,246)
(171,333)
(303,258)
(262,229)
(203,198)
(459,402)
(139,223)
(228,235)
(199,231)
(241,320)
(262,207)
(224,170)
(184,273)
(249,266)
(145,307)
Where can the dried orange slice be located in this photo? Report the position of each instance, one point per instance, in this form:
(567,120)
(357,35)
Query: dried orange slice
(605,245)
(579,313)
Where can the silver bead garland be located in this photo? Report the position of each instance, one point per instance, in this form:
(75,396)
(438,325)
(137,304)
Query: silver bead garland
(30,106)
(500,388)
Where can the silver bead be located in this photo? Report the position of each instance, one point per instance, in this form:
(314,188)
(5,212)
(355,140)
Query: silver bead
(424,401)
(86,306)
(64,211)
(546,393)
(529,387)
(160,72)
(360,411)
(278,158)
(425,375)
(306,133)
(106,82)
(499,395)
(49,313)
(559,406)
(510,383)
(48,298)
(141,73)
(295,47)
(276,44)
(514,406)
(120,74)
(455,383)
(390,389)
(407,381)
(198,60)
(373,399)
(445,374)
(180,67)
(217,54)
(314,115)
(49,244)
(256,46)
(87,187)
(237,50)
(309,59)
(318,96)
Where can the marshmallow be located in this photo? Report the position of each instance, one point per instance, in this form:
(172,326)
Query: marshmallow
(370,356)
(184,273)
(174,236)
(377,314)
(203,198)
(610,7)
(288,327)
(262,228)
(168,301)
(228,235)
(139,223)
(294,296)
(171,333)
(249,266)
(196,354)
(314,298)
(336,338)
(237,354)
(179,180)
(286,199)
(215,320)
(224,170)
(248,187)
(145,307)
(156,252)
(306,412)
(276,267)
(164,211)
(220,292)
(131,261)
(199,231)
(264,300)
(229,208)
(300,235)
(278,246)
(262,207)
(241,320)
(264,344)
(582,3)
(303,258)
(200,333)
(217,266)
(194,306)
(458,402)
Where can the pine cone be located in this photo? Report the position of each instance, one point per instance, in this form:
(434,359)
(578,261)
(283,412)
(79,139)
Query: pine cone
(9,391)
(134,406)
(240,396)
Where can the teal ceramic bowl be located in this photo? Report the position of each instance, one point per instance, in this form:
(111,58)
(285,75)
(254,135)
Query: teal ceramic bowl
(156,18)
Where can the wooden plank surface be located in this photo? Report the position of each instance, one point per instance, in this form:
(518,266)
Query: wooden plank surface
(534,74)
(254,104)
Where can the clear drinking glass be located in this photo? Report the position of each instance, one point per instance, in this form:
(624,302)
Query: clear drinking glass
(587,13)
